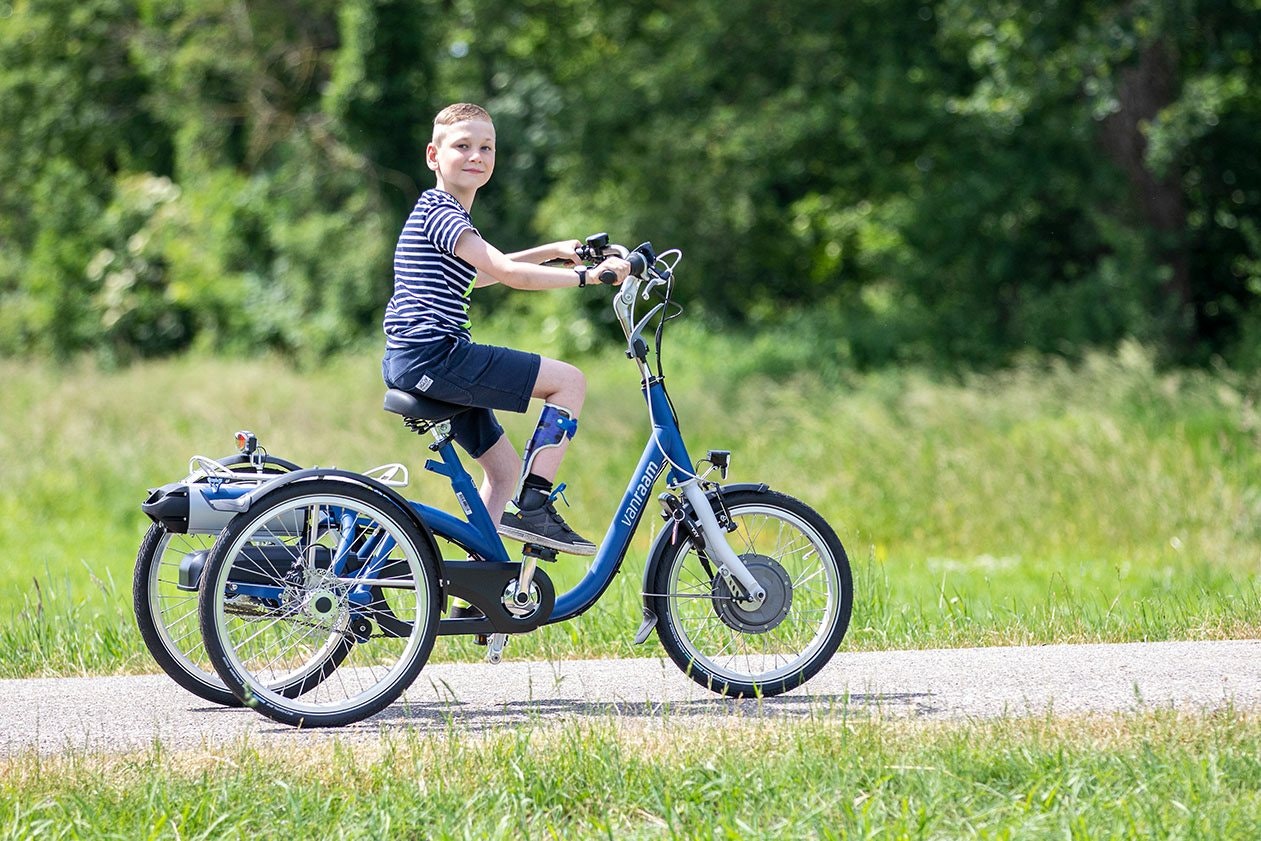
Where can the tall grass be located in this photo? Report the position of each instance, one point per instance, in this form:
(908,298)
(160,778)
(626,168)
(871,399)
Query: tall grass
(1102,501)
(1155,775)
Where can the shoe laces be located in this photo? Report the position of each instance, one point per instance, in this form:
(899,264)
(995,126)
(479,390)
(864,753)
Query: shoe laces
(559,492)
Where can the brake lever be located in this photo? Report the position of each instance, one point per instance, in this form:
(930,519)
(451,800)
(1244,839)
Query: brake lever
(653,282)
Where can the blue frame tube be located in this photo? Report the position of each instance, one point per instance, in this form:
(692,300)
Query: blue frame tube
(478,532)
(616,540)
(665,439)
(458,531)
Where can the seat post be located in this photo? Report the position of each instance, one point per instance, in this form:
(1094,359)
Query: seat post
(466,493)
(423,414)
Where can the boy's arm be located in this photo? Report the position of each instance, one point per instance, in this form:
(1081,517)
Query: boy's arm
(495,266)
(564,250)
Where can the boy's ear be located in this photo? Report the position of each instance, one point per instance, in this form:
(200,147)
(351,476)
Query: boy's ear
(431,157)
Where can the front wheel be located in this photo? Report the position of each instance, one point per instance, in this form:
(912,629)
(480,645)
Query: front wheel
(727,644)
(320,576)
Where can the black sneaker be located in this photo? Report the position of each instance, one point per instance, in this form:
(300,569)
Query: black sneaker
(541,524)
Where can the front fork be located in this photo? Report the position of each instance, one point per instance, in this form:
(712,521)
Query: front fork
(710,539)
(729,564)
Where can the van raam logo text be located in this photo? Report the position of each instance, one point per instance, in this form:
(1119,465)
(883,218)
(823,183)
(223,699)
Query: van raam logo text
(641,495)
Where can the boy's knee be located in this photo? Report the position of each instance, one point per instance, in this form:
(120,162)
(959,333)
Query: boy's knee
(561,378)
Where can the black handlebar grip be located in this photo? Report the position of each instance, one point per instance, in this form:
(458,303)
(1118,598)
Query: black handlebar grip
(638,263)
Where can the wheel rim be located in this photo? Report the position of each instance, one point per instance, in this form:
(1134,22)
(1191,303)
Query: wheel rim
(174,611)
(316,627)
(753,646)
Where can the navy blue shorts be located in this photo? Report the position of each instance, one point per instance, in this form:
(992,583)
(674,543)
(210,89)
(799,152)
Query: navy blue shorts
(483,377)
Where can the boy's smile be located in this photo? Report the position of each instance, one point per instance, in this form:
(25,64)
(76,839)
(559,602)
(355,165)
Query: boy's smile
(462,156)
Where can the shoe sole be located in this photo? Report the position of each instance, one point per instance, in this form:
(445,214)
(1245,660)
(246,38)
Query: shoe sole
(582,549)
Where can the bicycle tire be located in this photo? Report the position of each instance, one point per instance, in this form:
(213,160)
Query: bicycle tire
(253,642)
(743,652)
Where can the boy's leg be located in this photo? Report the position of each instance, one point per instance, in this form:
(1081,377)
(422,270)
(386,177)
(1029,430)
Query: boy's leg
(565,387)
(557,383)
(502,467)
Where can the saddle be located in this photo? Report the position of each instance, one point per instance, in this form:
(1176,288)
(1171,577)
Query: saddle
(409,404)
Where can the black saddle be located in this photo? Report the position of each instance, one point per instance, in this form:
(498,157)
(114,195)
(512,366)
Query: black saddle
(412,405)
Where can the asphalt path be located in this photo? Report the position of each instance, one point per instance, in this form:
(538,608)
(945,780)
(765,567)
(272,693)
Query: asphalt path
(131,714)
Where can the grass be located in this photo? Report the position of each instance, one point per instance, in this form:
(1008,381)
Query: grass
(1151,775)
(1050,503)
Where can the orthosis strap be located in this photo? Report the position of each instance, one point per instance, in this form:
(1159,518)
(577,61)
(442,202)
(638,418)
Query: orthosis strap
(556,423)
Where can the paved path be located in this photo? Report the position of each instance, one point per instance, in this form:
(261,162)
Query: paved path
(129,713)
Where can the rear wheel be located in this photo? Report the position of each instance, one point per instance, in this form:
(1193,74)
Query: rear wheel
(166,613)
(728,644)
(319,576)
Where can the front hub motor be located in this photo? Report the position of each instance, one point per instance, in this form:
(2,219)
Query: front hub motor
(743,616)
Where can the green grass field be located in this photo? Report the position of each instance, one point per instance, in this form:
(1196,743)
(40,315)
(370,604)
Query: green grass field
(1105,501)
(1136,776)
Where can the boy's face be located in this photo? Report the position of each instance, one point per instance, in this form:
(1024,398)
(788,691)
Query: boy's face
(462,155)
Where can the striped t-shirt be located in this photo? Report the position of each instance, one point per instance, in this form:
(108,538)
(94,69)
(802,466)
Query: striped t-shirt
(431,285)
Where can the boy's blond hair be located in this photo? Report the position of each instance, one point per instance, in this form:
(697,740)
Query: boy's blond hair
(456,113)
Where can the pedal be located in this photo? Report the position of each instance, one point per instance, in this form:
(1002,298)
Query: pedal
(495,648)
(542,553)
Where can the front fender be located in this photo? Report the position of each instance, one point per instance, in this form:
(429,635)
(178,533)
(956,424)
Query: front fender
(662,542)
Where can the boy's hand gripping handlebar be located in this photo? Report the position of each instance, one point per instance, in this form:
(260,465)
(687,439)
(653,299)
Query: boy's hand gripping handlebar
(598,247)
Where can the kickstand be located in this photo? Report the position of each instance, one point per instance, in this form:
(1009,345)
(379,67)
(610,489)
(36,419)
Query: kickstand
(495,648)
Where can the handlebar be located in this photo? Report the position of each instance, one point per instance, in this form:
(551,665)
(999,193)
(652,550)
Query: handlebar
(598,248)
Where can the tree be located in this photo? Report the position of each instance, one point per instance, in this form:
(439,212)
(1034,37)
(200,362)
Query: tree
(72,116)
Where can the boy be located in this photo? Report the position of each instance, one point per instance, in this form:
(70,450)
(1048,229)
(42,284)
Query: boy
(439,259)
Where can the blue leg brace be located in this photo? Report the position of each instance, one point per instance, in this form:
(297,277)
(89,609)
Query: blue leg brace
(556,423)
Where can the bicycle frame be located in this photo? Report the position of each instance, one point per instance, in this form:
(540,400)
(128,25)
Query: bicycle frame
(478,535)
(664,448)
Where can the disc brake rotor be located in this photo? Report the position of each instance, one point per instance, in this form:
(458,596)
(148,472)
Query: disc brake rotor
(774,579)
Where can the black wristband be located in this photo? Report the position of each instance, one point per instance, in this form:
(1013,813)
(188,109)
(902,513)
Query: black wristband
(582,276)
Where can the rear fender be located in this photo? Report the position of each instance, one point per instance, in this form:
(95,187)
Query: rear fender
(390,497)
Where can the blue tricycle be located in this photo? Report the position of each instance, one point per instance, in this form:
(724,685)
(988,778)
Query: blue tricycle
(321,598)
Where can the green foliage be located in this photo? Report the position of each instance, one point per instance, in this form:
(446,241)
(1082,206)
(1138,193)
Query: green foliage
(960,181)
